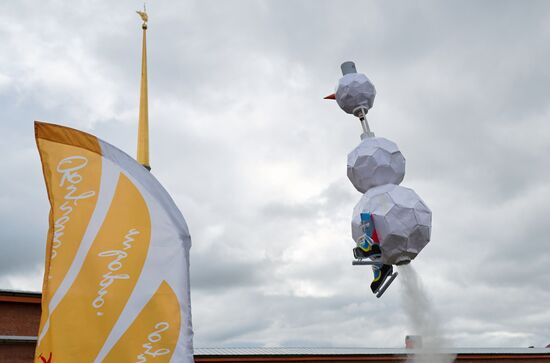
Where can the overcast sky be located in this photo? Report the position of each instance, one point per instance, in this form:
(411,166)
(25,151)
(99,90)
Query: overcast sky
(256,159)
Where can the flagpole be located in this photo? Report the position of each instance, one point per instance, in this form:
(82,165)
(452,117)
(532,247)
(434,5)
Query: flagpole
(143,128)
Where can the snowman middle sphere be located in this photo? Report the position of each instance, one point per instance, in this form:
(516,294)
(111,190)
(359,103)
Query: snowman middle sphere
(375,161)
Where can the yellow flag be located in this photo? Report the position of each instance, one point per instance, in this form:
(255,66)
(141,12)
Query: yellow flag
(116,284)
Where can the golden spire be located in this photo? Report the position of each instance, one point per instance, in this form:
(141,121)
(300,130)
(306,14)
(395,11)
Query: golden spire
(143,130)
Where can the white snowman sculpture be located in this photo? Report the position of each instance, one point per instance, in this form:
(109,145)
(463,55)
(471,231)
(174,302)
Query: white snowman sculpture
(376,167)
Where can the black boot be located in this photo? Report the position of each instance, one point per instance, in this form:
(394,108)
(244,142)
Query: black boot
(380,277)
(373,252)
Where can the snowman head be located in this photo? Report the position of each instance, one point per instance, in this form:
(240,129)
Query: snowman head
(355,92)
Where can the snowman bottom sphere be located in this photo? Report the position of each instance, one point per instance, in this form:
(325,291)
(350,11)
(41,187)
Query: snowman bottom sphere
(402,220)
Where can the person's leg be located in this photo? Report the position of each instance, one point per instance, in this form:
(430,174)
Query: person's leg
(366,248)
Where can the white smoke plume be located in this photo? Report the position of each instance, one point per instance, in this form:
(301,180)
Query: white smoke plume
(423,319)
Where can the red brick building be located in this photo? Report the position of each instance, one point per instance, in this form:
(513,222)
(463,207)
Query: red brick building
(20,316)
(19,319)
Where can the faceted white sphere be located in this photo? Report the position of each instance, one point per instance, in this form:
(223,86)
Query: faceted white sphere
(375,161)
(354,90)
(402,221)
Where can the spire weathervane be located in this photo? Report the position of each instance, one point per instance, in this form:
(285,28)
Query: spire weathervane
(143,15)
(143,130)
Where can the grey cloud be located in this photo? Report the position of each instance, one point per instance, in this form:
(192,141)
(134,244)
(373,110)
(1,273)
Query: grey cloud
(219,269)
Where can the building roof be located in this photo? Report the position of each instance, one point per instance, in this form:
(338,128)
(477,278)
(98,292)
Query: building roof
(8,292)
(363,351)
(20,296)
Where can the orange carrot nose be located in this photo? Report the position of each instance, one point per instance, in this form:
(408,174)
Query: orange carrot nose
(331,97)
